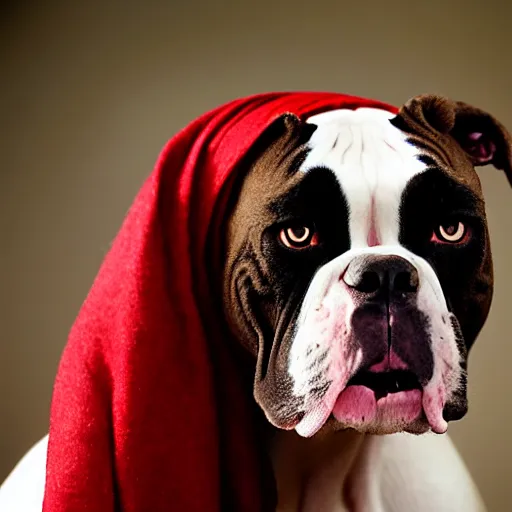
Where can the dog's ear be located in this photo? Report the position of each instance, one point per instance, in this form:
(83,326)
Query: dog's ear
(284,133)
(287,127)
(482,137)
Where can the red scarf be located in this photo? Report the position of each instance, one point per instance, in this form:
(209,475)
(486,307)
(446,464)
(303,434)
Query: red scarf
(149,413)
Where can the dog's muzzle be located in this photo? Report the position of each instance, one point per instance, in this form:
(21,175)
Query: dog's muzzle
(388,387)
(391,356)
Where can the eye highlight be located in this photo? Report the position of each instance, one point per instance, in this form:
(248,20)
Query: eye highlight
(299,236)
(451,233)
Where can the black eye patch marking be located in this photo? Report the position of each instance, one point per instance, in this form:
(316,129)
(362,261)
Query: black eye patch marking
(433,199)
(317,200)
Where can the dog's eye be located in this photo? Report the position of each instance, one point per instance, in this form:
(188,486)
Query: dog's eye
(298,237)
(451,233)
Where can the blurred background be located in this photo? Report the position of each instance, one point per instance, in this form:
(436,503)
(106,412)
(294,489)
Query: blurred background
(92,90)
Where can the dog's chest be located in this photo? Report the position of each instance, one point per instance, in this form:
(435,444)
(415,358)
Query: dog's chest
(315,475)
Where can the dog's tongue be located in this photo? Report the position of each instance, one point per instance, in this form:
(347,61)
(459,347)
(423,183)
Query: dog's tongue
(433,405)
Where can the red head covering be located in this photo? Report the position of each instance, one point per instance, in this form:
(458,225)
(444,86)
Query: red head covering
(148,411)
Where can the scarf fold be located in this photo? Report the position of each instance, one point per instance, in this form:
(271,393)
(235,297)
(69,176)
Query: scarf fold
(149,411)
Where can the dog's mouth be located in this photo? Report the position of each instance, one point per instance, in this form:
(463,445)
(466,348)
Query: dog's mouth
(385,401)
(387,382)
(386,393)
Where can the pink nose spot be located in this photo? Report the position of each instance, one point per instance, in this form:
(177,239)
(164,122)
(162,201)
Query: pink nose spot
(373,239)
(391,362)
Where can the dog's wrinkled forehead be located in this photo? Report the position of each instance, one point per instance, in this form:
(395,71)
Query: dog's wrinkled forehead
(373,161)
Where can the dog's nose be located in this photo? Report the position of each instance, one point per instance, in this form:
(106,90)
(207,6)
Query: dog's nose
(371,274)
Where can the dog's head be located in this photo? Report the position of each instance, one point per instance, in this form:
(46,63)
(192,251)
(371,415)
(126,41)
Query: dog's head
(358,266)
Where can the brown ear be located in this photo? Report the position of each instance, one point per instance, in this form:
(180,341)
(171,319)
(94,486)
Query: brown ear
(483,138)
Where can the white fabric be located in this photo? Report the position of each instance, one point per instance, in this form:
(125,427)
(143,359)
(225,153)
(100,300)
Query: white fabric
(23,489)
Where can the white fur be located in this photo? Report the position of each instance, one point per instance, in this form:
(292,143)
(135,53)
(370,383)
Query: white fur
(373,163)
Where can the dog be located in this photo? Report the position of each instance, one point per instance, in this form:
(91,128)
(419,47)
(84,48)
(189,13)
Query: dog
(357,276)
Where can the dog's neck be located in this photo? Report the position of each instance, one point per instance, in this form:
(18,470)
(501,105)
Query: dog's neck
(318,468)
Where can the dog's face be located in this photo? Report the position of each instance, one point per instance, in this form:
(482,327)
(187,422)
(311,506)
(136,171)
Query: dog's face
(358,267)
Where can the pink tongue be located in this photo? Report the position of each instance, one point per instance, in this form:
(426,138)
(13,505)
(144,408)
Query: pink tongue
(356,405)
(433,406)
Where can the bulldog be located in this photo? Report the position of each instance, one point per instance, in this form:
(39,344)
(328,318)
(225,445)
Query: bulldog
(357,275)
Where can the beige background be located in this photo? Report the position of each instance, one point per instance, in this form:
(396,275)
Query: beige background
(90,91)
